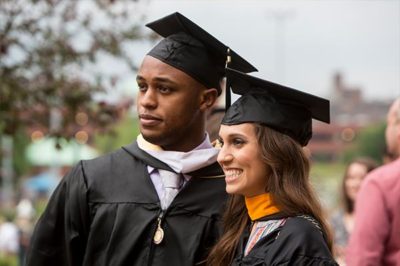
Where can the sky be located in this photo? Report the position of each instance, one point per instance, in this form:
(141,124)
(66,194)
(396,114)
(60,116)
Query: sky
(301,44)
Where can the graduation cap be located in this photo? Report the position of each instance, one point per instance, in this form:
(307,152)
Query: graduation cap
(191,49)
(284,109)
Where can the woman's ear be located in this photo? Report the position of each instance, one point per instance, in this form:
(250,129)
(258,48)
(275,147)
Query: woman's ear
(208,98)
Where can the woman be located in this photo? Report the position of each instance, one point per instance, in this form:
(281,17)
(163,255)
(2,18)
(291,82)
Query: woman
(273,217)
(343,220)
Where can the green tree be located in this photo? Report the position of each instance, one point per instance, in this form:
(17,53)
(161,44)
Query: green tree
(124,132)
(51,53)
(369,142)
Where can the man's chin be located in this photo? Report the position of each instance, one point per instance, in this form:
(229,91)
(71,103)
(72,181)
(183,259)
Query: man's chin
(153,138)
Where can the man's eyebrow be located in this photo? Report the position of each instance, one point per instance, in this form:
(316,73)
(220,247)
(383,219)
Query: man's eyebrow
(140,78)
(157,79)
(165,80)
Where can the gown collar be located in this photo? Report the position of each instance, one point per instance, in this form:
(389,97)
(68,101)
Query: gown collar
(210,171)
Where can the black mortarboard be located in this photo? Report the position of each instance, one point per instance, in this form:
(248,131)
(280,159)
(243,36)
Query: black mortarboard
(194,51)
(284,109)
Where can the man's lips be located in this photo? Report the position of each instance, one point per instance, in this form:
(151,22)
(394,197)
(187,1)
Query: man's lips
(149,120)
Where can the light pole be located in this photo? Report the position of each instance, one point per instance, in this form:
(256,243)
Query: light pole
(280,17)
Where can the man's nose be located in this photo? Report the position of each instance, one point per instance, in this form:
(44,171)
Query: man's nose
(148,99)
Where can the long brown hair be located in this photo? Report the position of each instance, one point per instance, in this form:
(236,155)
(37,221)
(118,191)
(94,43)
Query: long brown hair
(370,165)
(288,184)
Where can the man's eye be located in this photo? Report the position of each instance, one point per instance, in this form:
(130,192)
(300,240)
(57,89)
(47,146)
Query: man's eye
(163,89)
(142,87)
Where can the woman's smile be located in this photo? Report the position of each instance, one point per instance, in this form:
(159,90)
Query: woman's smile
(232,174)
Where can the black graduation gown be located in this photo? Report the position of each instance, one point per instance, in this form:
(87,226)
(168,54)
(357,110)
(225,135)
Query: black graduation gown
(298,242)
(105,212)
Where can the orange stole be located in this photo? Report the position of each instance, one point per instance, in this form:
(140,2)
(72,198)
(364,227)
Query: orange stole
(260,206)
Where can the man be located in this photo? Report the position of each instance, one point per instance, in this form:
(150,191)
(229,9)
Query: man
(158,200)
(376,236)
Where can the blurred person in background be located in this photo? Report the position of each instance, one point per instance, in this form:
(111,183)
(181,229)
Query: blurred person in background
(375,239)
(214,119)
(9,237)
(158,200)
(215,115)
(25,223)
(343,220)
(387,157)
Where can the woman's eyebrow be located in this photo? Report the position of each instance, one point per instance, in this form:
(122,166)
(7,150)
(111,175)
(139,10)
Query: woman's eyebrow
(233,135)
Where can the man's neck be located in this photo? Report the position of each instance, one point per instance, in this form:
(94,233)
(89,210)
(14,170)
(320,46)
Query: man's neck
(204,143)
(186,147)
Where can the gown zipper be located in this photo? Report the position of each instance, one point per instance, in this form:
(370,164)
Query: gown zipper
(159,233)
(158,236)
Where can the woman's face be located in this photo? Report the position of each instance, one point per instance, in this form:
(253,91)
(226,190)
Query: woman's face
(240,158)
(355,176)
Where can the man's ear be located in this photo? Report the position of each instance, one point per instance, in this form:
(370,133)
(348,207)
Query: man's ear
(209,96)
(398,133)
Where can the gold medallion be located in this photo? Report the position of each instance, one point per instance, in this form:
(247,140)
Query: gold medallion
(158,236)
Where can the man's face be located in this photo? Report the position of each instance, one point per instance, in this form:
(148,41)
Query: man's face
(168,105)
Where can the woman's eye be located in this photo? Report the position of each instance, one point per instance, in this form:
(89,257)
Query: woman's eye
(238,142)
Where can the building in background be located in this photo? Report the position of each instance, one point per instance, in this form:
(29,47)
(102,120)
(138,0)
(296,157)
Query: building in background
(350,113)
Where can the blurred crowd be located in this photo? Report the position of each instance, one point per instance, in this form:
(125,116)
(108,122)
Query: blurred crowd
(17,219)
(15,232)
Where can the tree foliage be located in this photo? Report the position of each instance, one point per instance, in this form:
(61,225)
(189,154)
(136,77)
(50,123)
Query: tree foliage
(49,54)
(370,142)
(125,131)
